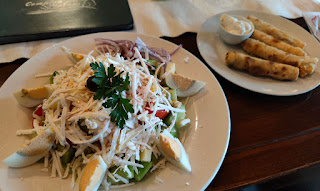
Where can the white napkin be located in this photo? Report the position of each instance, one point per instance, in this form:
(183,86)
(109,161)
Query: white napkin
(174,17)
(313,21)
(11,52)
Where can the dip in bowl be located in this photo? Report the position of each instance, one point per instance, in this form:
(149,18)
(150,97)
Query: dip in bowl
(235,29)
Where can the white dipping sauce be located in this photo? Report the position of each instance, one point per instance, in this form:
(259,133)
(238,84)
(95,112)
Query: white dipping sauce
(234,25)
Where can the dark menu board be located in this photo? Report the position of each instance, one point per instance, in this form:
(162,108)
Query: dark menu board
(26,20)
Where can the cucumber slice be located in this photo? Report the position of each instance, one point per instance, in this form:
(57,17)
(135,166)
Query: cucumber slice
(168,119)
(59,148)
(122,173)
(174,132)
(142,171)
(173,94)
(180,116)
(154,64)
(68,156)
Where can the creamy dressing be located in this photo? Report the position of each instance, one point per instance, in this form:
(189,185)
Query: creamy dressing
(234,25)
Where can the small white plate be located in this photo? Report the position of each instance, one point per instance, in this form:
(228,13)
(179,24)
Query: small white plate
(206,144)
(214,50)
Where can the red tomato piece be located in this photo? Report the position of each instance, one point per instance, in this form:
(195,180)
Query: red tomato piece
(160,113)
(39,111)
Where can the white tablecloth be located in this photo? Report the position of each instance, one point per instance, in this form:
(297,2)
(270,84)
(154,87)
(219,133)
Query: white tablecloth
(174,17)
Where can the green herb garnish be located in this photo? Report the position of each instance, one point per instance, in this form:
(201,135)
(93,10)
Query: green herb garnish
(111,86)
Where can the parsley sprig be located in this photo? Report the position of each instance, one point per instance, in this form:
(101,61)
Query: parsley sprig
(111,85)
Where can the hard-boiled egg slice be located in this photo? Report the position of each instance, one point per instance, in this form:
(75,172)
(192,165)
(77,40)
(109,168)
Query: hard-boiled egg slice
(93,174)
(74,57)
(185,86)
(77,57)
(33,150)
(32,97)
(173,150)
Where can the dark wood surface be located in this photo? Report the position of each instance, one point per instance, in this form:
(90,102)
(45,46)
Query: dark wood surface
(270,136)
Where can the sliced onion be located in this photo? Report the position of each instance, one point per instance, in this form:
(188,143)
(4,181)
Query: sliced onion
(175,50)
(125,49)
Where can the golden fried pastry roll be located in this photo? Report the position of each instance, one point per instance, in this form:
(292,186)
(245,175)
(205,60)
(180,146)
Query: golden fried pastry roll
(257,48)
(260,67)
(308,66)
(276,32)
(270,40)
(267,52)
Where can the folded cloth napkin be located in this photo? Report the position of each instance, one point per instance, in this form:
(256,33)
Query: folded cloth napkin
(174,17)
(313,21)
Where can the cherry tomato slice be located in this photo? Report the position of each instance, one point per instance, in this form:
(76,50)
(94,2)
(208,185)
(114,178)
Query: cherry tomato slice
(160,113)
(39,111)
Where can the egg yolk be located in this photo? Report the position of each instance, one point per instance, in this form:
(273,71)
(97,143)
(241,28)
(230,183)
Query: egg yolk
(170,147)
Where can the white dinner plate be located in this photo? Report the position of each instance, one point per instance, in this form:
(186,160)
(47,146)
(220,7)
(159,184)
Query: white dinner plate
(214,50)
(206,144)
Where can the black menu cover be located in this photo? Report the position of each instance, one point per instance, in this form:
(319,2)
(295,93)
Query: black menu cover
(26,20)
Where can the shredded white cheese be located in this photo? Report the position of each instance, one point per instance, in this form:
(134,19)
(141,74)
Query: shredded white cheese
(82,123)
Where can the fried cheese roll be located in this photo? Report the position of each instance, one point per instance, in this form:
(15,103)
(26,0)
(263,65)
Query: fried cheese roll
(257,48)
(308,66)
(267,52)
(260,67)
(270,40)
(276,32)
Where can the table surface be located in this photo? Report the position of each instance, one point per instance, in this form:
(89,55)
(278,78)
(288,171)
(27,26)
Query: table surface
(270,136)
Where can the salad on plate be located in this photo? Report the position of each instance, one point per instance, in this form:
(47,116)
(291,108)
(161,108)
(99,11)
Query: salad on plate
(110,119)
